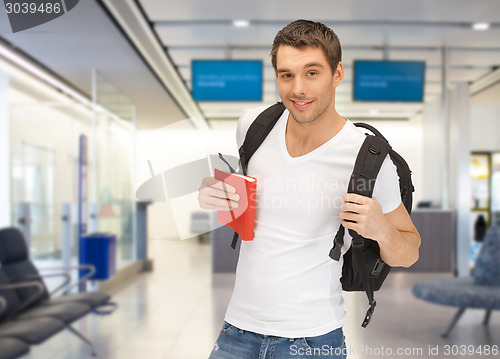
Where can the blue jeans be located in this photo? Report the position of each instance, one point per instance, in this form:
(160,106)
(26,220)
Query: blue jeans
(234,343)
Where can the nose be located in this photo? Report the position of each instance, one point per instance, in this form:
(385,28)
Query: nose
(299,86)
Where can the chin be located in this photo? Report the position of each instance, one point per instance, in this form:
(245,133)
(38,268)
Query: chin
(303,119)
(304,116)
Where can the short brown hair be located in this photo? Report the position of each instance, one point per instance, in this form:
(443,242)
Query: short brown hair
(302,33)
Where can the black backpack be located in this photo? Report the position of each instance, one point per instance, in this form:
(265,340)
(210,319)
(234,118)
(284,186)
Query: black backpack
(363,268)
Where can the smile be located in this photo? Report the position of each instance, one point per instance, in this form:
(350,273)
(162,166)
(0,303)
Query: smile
(301,104)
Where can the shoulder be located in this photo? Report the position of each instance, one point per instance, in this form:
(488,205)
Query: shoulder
(353,135)
(246,120)
(358,132)
(386,188)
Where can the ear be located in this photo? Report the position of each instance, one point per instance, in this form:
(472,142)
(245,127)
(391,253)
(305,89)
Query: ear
(338,75)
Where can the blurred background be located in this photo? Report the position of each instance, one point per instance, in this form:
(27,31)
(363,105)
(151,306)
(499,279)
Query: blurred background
(105,108)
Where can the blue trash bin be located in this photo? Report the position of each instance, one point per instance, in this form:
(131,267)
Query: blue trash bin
(99,249)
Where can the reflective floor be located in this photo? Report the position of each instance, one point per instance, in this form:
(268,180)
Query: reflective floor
(176,311)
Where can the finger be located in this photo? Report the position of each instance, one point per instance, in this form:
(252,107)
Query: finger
(215,208)
(355,198)
(348,216)
(213,183)
(350,224)
(223,203)
(351,207)
(219,193)
(220,204)
(223,186)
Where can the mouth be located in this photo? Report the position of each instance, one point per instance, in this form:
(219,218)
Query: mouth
(301,105)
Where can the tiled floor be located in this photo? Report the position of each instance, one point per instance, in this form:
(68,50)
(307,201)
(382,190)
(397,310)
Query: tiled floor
(175,312)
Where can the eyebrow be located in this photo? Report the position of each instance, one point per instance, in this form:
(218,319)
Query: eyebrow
(311,64)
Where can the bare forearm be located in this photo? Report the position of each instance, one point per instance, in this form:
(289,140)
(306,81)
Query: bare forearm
(400,249)
(395,233)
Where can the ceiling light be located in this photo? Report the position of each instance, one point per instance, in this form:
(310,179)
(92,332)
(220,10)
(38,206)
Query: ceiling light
(241,23)
(27,66)
(19,63)
(481,26)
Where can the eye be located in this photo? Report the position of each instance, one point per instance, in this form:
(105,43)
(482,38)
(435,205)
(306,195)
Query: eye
(286,76)
(312,73)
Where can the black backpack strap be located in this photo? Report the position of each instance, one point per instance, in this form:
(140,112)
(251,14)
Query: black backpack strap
(371,129)
(404,172)
(258,132)
(338,242)
(405,182)
(366,168)
(358,260)
(235,240)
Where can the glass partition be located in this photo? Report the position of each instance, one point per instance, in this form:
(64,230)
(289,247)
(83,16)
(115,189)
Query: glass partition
(44,159)
(44,154)
(115,209)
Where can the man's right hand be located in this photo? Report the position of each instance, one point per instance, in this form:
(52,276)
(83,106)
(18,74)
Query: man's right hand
(217,195)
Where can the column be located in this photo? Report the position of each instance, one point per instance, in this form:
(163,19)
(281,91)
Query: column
(460,177)
(5,219)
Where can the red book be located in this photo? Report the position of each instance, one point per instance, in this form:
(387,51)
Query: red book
(241,219)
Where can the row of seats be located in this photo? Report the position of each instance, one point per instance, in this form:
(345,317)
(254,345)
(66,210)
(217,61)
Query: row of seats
(29,314)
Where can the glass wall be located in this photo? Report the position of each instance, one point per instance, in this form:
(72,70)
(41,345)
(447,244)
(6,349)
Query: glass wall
(115,209)
(44,172)
(114,152)
(44,159)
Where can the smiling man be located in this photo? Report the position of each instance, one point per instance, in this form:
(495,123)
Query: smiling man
(287,300)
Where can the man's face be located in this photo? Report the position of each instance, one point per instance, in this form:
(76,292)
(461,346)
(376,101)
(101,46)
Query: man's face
(306,83)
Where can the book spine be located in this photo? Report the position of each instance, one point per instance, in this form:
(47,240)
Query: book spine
(250,218)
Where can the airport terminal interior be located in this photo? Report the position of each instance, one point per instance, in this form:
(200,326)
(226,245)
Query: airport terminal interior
(112,111)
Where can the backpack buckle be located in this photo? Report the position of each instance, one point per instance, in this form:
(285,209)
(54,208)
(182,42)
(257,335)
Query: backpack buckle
(378,267)
(338,242)
(357,242)
(369,314)
(335,252)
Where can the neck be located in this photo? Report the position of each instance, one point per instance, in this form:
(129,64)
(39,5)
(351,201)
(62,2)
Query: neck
(322,128)
(302,138)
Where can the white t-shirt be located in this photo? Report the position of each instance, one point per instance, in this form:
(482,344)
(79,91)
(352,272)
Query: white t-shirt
(286,283)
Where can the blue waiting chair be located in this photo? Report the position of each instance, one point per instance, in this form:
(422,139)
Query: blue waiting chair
(482,291)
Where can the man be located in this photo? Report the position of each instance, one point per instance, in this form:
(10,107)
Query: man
(287,300)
